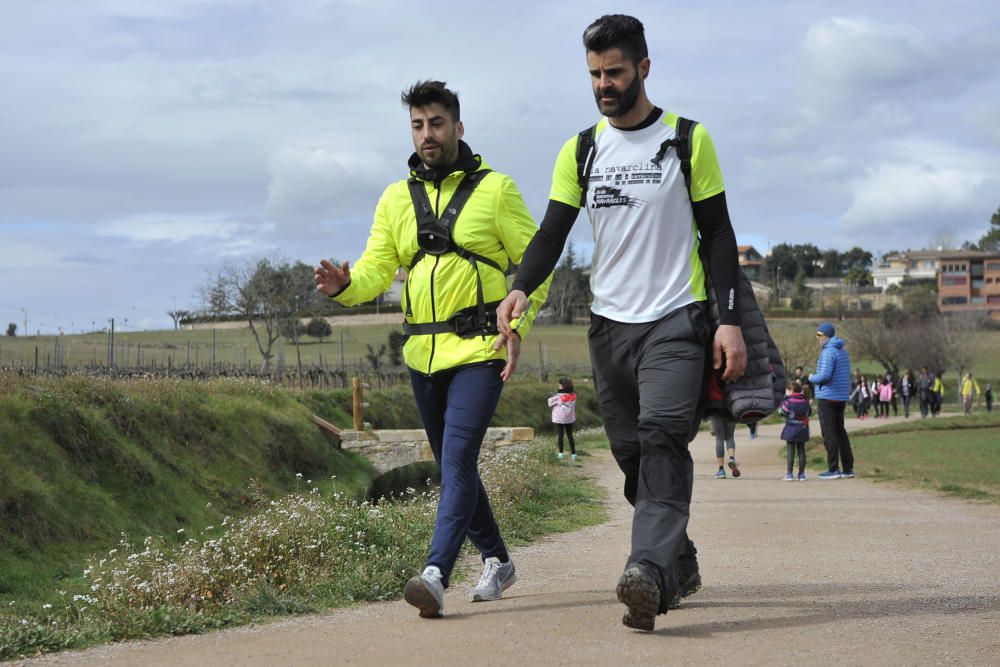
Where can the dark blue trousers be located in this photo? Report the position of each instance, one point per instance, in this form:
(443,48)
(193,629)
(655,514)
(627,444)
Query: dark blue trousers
(456,407)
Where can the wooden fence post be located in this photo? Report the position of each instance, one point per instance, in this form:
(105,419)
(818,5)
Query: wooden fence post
(358,403)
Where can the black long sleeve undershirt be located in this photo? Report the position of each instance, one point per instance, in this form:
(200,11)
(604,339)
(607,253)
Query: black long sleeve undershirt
(718,244)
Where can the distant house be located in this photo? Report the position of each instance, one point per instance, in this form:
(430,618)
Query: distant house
(751,261)
(969,280)
(915,265)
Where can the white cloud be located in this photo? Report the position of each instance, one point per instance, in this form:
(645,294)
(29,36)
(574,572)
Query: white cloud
(312,185)
(169,228)
(857,56)
(922,187)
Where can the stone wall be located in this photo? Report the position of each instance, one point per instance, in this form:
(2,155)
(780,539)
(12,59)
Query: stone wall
(391,449)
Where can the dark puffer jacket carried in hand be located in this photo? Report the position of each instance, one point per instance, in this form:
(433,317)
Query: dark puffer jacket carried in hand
(761,389)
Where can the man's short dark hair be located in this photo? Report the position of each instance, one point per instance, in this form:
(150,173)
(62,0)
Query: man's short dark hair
(617,31)
(423,93)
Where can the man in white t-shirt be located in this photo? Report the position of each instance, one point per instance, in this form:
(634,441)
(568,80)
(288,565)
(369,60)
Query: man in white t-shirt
(649,331)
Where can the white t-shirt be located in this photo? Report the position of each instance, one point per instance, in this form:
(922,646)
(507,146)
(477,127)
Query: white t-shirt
(645,261)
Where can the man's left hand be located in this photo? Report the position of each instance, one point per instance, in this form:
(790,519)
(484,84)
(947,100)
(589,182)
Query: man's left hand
(513,342)
(729,344)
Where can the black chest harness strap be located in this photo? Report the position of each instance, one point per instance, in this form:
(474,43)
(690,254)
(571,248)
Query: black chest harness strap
(681,143)
(435,237)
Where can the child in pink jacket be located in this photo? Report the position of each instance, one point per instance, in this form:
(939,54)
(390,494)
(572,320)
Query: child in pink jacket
(563,405)
(885,392)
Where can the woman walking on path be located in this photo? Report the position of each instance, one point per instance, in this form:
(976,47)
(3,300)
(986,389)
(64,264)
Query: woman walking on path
(937,394)
(563,405)
(796,410)
(862,394)
(906,389)
(725,443)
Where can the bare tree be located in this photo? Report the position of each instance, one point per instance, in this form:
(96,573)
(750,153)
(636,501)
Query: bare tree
(961,340)
(797,345)
(879,341)
(177,316)
(943,239)
(569,287)
(215,294)
(940,343)
(266,293)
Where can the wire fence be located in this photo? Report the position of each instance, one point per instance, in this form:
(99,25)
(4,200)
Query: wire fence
(55,358)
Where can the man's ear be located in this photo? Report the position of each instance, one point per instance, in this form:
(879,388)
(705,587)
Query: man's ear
(460,129)
(644,67)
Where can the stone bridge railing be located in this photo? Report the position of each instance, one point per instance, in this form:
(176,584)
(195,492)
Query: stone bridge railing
(391,449)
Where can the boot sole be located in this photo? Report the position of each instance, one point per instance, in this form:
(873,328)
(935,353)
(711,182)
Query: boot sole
(418,595)
(642,597)
(735,469)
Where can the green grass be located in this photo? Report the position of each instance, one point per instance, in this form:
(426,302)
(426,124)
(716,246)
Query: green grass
(958,456)
(84,460)
(301,553)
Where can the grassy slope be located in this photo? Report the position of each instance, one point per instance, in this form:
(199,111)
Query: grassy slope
(83,460)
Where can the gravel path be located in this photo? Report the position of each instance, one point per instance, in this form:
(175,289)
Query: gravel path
(845,572)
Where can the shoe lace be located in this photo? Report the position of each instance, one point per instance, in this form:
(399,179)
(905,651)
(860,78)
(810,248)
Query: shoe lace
(489,571)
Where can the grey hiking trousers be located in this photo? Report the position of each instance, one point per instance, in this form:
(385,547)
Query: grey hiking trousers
(648,379)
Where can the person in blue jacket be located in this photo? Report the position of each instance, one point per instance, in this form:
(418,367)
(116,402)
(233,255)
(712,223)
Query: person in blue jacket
(832,381)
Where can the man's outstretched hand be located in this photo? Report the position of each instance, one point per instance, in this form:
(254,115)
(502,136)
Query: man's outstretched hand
(331,279)
(729,343)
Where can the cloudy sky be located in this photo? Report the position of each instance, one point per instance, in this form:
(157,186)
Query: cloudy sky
(145,143)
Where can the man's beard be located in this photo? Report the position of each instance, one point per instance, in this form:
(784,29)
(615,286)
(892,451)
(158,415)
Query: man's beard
(447,153)
(626,100)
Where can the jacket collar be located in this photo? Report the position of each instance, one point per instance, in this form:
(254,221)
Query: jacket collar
(466,162)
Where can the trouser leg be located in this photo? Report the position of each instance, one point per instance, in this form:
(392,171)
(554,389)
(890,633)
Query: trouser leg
(828,427)
(645,375)
(456,408)
(719,428)
(559,433)
(801,446)
(843,440)
(569,436)
(790,456)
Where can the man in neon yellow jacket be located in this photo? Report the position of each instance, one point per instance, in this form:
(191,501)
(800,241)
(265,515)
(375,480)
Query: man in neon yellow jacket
(455,225)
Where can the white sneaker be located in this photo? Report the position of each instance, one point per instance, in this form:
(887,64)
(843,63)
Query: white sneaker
(426,592)
(496,578)
(559,455)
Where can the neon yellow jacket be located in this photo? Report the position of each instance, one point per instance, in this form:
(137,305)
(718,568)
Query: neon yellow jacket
(494,223)
(970,388)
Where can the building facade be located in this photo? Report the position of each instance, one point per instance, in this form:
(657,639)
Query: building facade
(969,281)
(751,261)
